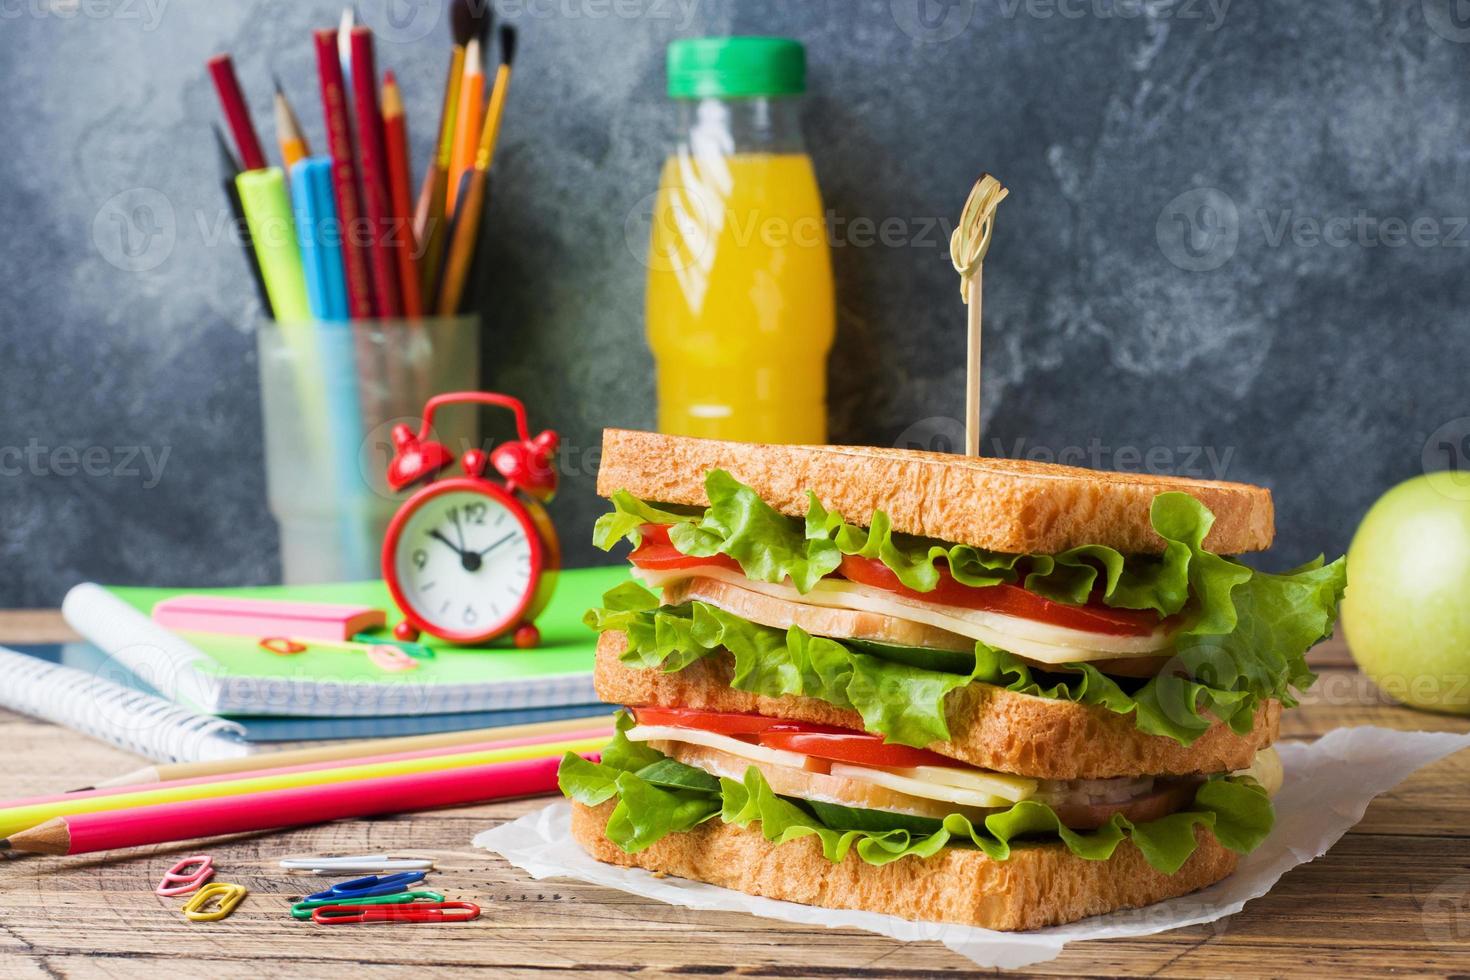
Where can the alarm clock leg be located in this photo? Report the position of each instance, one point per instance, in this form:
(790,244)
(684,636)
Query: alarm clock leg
(527,636)
(406,632)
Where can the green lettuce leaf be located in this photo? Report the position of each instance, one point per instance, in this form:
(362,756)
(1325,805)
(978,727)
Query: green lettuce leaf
(1278,617)
(770,547)
(1244,638)
(654,799)
(628,515)
(1234,808)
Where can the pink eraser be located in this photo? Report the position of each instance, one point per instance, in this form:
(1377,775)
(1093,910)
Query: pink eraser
(266,617)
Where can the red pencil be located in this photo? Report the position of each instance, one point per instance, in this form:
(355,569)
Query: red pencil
(395,143)
(376,197)
(344,175)
(222,70)
(86,832)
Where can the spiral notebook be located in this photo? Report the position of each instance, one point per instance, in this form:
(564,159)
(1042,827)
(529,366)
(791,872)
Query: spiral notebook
(95,704)
(118,684)
(231,675)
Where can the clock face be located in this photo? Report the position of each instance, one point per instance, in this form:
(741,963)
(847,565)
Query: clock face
(465,562)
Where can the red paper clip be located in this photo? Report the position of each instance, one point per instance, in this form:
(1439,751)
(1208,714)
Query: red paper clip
(178,881)
(331,915)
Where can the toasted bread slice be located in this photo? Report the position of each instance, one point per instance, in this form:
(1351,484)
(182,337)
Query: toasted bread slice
(1014,506)
(990,727)
(1038,885)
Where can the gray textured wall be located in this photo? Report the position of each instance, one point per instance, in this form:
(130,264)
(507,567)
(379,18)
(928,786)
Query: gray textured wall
(1303,329)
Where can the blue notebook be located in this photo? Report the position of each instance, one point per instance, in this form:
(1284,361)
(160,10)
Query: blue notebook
(263,728)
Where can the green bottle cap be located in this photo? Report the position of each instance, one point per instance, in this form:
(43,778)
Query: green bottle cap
(730,67)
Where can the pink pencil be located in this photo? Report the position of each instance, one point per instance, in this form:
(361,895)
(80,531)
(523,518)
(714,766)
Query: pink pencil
(507,743)
(88,832)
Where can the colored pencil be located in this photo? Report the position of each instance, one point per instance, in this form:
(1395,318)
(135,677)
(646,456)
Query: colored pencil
(292,777)
(344,175)
(229,169)
(466,234)
(467,127)
(320,236)
(332,378)
(592,731)
(429,216)
(395,145)
(88,832)
(166,771)
(345,24)
(273,232)
(467,19)
(376,198)
(293,144)
(237,112)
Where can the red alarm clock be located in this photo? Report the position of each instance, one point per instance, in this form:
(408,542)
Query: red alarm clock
(469,558)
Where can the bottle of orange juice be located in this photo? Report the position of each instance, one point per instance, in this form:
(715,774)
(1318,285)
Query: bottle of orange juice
(739,303)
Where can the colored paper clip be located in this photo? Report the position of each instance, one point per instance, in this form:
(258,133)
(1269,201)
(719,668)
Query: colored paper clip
(417,651)
(357,864)
(303,909)
(179,881)
(224,896)
(387,657)
(332,915)
(371,885)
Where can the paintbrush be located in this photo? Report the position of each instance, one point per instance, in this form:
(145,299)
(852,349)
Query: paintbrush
(229,169)
(472,190)
(468,19)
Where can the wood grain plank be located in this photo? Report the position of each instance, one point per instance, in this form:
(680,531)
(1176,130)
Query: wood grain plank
(1393,896)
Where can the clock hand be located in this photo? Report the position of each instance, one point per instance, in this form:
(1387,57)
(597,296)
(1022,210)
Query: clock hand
(458,531)
(468,560)
(497,544)
(437,535)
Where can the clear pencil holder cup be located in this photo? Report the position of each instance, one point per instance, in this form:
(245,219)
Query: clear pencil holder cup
(330,395)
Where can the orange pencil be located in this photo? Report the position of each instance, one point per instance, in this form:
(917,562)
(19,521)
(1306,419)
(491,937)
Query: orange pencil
(466,234)
(467,19)
(471,112)
(395,136)
(288,131)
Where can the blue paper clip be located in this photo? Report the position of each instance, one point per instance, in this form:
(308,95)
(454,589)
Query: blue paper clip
(371,885)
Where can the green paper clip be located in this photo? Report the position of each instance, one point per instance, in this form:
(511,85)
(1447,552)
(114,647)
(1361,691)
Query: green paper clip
(303,910)
(415,650)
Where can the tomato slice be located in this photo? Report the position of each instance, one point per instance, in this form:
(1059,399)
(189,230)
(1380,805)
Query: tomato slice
(656,553)
(841,745)
(1011,600)
(819,741)
(719,722)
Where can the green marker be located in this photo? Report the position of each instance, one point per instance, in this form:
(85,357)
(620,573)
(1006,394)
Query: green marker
(273,231)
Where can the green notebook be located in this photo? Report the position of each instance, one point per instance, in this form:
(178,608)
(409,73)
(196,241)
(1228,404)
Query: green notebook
(226,675)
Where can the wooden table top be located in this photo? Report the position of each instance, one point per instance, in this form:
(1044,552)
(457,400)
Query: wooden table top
(1392,896)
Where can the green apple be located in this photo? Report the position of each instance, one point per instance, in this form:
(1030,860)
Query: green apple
(1407,608)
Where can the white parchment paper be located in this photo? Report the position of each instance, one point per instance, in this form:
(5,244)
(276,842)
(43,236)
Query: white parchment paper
(1329,783)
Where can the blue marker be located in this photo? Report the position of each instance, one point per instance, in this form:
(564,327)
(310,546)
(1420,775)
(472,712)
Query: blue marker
(320,235)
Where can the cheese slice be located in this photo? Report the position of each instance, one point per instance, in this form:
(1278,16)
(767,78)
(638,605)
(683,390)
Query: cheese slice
(918,787)
(1028,638)
(714,740)
(976,787)
(1013,788)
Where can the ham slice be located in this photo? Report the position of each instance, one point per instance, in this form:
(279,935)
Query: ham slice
(849,624)
(857,624)
(1164,798)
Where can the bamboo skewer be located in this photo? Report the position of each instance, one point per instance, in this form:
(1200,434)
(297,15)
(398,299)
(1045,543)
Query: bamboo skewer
(967,249)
